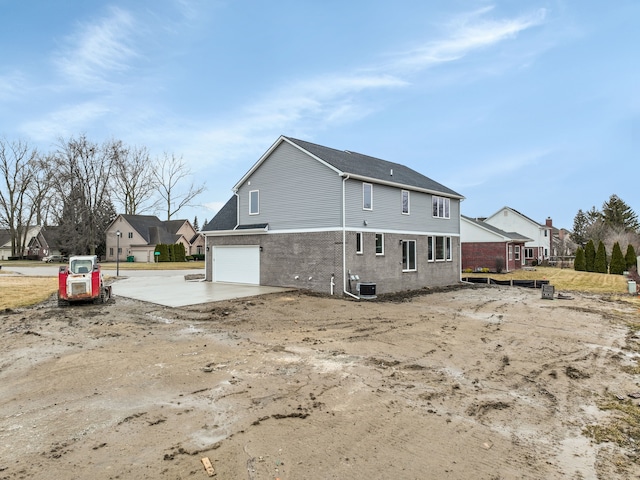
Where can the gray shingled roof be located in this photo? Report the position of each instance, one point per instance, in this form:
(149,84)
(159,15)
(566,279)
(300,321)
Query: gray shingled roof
(226,218)
(514,236)
(371,167)
(346,162)
(152,229)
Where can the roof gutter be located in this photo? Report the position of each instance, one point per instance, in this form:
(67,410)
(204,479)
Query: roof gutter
(401,185)
(344,239)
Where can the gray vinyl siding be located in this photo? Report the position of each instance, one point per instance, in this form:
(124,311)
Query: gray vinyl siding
(387,211)
(296,192)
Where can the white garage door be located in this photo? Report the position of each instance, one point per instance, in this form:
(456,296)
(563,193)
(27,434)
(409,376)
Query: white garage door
(237,264)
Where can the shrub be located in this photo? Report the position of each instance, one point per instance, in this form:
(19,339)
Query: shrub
(163,249)
(618,264)
(499,264)
(590,256)
(600,263)
(579,263)
(630,257)
(180,253)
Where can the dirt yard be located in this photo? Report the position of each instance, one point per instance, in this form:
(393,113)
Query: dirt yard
(470,383)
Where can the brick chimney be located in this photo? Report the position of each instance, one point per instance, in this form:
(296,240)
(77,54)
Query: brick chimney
(549,222)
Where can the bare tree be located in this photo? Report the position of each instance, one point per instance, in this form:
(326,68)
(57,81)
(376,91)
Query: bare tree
(135,184)
(170,173)
(42,202)
(81,176)
(17,168)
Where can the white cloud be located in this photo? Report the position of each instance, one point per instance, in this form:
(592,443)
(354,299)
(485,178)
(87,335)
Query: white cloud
(98,50)
(468,32)
(67,121)
(306,106)
(494,170)
(11,86)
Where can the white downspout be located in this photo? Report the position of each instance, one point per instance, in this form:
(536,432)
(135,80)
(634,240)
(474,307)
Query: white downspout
(344,240)
(506,257)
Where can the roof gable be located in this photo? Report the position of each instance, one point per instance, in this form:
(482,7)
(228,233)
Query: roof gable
(521,215)
(504,236)
(154,230)
(361,166)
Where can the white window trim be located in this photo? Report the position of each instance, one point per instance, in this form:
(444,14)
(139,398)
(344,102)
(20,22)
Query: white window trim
(447,245)
(441,203)
(376,246)
(415,256)
(402,192)
(257,192)
(364,185)
(359,251)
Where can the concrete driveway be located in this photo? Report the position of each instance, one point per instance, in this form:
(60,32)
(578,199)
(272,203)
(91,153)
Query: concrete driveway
(164,287)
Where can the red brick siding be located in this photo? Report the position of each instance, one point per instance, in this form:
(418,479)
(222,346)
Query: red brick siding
(484,254)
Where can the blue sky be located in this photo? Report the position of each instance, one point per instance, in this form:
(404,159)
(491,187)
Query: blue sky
(534,105)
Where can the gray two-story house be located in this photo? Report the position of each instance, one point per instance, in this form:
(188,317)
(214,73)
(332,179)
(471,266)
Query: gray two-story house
(326,220)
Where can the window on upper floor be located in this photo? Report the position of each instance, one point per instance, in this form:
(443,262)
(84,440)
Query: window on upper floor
(408,255)
(359,242)
(441,207)
(130,235)
(367,196)
(405,202)
(379,243)
(254,202)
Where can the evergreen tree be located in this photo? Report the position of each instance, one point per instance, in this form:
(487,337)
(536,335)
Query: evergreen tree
(579,263)
(163,249)
(616,213)
(618,264)
(580,224)
(195,223)
(180,253)
(600,263)
(590,256)
(630,257)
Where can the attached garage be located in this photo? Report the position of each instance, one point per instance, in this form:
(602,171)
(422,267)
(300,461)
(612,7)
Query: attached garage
(237,264)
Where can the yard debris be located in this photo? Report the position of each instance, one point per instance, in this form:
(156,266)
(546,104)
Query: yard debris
(207,466)
(563,296)
(635,395)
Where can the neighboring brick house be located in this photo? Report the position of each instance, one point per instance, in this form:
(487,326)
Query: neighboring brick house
(485,246)
(313,217)
(538,249)
(139,235)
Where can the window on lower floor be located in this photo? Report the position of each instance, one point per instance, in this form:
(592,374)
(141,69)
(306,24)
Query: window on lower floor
(439,249)
(510,252)
(359,242)
(517,252)
(528,252)
(379,244)
(408,255)
(111,251)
